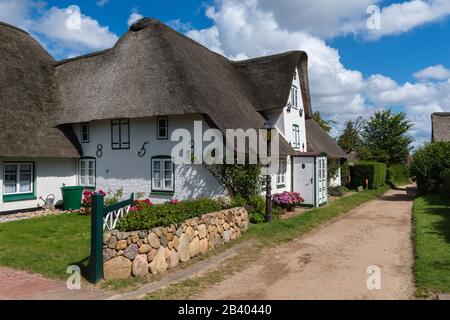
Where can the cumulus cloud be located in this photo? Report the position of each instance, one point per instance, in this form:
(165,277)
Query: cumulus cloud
(134,16)
(438,72)
(64,31)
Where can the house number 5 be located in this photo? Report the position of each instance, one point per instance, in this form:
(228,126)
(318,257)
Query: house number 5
(143,151)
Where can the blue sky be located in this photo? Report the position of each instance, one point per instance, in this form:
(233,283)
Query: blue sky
(404,63)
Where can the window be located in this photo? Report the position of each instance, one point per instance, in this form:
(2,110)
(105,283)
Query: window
(120,134)
(294,96)
(162,174)
(296,136)
(18,178)
(84,127)
(281,175)
(87,168)
(162,127)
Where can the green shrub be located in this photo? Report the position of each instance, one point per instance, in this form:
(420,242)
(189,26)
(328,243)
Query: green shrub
(375,172)
(238,201)
(335,191)
(166,214)
(345,174)
(428,166)
(256,208)
(256,217)
(397,175)
(446,189)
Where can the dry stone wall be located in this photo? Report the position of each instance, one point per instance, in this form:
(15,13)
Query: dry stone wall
(139,253)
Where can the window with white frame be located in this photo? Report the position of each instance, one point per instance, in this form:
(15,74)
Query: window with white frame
(162,174)
(120,134)
(162,127)
(296,136)
(87,172)
(84,128)
(294,96)
(18,178)
(281,175)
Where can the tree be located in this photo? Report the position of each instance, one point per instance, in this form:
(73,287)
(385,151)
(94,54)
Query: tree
(350,138)
(324,124)
(385,137)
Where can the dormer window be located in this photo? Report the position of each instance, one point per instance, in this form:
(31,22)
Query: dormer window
(294,97)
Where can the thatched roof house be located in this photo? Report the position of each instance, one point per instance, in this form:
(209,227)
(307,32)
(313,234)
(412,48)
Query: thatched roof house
(320,141)
(440,126)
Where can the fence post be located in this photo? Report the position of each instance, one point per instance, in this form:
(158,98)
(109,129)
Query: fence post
(97,238)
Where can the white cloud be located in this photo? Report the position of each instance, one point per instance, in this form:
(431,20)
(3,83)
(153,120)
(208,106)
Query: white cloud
(64,31)
(438,72)
(134,16)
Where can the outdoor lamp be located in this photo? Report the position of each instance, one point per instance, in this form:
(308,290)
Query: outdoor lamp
(268,127)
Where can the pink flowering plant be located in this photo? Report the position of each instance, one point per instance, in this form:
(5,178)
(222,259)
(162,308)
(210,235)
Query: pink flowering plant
(288,200)
(140,205)
(87,197)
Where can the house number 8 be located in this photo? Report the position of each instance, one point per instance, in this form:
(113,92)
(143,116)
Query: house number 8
(99,150)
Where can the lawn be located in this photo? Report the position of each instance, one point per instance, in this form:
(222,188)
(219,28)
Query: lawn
(432,244)
(46,245)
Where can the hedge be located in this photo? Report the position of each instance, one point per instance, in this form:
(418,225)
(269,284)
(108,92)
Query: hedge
(397,175)
(429,164)
(160,215)
(375,172)
(446,189)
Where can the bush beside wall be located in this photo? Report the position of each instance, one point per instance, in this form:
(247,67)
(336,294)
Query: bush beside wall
(375,172)
(446,188)
(398,175)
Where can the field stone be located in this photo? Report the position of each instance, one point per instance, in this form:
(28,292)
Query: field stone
(131,251)
(157,231)
(173,260)
(179,232)
(142,234)
(112,242)
(139,267)
(169,235)
(163,241)
(202,231)
(226,236)
(159,264)
(203,246)
(190,233)
(108,254)
(176,243)
(194,249)
(117,268)
(151,255)
(183,248)
(106,237)
(121,245)
(153,240)
(145,248)
(134,238)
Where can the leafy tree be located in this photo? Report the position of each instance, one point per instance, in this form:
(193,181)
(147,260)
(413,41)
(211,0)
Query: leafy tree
(385,137)
(324,124)
(350,137)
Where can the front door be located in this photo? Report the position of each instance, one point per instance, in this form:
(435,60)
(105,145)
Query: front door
(303,178)
(321,178)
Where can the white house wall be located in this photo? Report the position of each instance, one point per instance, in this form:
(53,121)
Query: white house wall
(337,180)
(51,174)
(123,168)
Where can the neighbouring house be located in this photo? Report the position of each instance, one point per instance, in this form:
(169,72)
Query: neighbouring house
(440,122)
(104,120)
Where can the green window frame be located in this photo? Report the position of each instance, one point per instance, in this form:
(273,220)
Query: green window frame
(162,128)
(87,172)
(84,132)
(18,175)
(296,136)
(162,175)
(120,134)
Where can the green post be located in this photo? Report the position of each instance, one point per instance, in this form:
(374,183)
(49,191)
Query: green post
(97,238)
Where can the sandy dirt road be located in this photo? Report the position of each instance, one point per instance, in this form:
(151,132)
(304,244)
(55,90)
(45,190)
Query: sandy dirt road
(332,261)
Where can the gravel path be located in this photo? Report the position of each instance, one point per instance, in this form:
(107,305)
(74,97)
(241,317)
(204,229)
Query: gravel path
(332,262)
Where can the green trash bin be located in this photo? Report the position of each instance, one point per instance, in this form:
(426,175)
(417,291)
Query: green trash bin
(72,197)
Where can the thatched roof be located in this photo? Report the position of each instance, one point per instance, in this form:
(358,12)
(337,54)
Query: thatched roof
(441,126)
(154,70)
(320,142)
(29,104)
